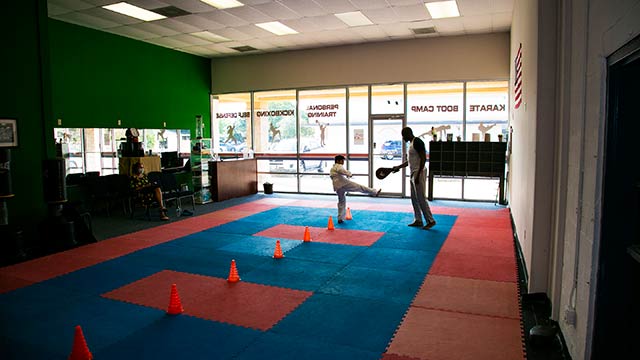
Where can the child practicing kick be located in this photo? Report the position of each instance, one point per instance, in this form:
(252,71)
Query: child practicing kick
(342,185)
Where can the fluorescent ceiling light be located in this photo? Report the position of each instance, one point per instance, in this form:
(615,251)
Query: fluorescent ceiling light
(223,4)
(277,28)
(354,18)
(443,9)
(206,35)
(134,11)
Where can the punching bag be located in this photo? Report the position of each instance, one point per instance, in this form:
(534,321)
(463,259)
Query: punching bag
(53,173)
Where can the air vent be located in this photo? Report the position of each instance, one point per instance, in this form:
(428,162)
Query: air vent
(171,11)
(244,48)
(424,31)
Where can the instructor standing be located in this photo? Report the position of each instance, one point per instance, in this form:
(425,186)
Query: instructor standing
(417,160)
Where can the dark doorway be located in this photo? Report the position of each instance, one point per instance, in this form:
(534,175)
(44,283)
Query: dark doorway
(617,306)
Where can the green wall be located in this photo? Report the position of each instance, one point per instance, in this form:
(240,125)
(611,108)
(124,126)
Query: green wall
(99,78)
(25,96)
(54,70)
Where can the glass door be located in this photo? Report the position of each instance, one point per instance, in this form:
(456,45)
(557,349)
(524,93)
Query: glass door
(387,150)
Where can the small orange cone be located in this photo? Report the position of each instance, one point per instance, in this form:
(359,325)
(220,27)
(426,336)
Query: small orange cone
(233,273)
(80,350)
(330,224)
(175,306)
(278,253)
(348,216)
(307,235)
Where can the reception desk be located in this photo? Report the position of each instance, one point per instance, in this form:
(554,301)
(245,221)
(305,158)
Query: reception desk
(229,179)
(151,163)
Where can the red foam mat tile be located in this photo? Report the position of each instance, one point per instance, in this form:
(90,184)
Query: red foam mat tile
(48,267)
(482,297)
(443,335)
(251,207)
(9,283)
(473,266)
(337,236)
(389,356)
(244,304)
(460,244)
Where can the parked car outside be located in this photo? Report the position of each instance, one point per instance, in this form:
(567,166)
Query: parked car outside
(391,149)
(288,146)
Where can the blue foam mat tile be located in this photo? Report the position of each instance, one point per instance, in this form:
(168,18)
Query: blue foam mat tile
(260,246)
(419,239)
(208,263)
(286,215)
(15,350)
(415,261)
(292,274)
(181,337)
(375,284)
(355,322)
(241,227)
(325,253)
(207,240)
(283,347)
(103,322)
(103,277)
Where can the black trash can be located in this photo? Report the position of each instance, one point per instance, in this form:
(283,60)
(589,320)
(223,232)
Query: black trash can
(268,188)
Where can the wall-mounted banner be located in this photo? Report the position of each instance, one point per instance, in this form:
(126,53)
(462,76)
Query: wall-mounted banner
(517,86)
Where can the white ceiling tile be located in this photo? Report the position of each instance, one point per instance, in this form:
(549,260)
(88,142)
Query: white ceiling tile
(146,4)
(397,30)
(477,23)
(452,33)
(501,20)
(132,32)
(328,22)
(233,34)
(259,44)
(502,6)
(249,14)
(224,18)
(87,20)
(278,11)
(111,16)
(200,21)
(336,6)
(168,42)
(370,4)
(192,6)
(255,2)
(474,7)
(195,50)
(303,25)
(371,32)
(304,7)
(177,25)
(72,4)
(53,10)
(448,25)
(405,2)
(190,39)
(381,16)
(101,2)
(155,28)
(412,13)
(254,31)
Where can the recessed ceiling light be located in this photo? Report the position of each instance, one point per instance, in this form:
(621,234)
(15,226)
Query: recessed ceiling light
(134,11)
(443,9)
(223,4)
(206,35)
(354,18)
(277,28)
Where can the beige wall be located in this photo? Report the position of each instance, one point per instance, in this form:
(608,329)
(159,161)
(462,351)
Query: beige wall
(477,57)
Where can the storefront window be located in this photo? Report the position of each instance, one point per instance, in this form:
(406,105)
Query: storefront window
(387,99)
(358,159)
(231,125)
(434,111)
(487,115)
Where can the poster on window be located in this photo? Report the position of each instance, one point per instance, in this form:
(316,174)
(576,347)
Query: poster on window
(358,136)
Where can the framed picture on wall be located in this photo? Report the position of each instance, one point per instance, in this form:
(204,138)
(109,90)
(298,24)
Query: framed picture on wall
(8,133)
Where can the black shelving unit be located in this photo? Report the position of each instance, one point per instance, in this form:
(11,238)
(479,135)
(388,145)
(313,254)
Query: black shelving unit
(465,159)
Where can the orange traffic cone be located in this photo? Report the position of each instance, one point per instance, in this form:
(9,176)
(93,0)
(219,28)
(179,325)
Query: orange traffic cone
(348,216)
(175,306)
(80,350)
(307,235)
(233,273)
(330,224)
(278,253)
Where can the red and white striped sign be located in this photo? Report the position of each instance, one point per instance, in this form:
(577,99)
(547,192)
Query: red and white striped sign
(518,83)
